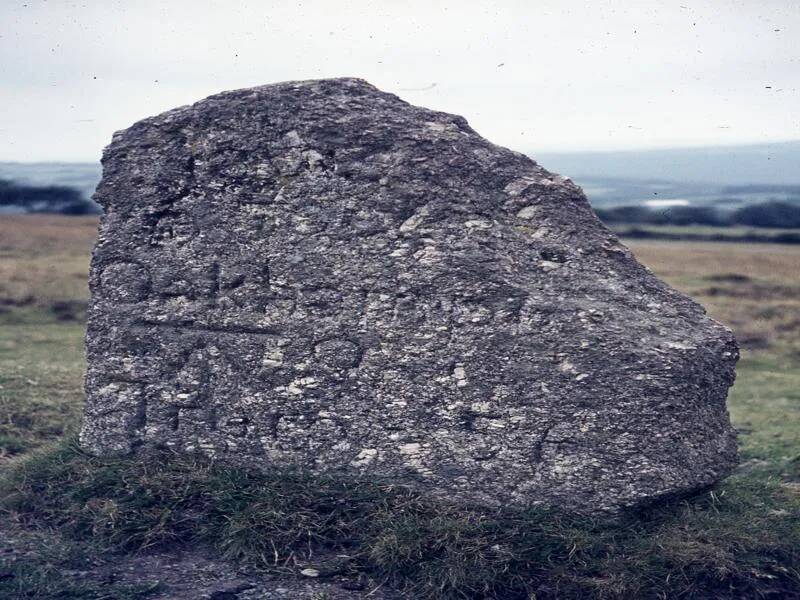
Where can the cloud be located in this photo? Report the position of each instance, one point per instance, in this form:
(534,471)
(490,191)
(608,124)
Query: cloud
(575,75)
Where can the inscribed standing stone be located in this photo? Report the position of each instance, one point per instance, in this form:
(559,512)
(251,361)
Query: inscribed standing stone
(319,274)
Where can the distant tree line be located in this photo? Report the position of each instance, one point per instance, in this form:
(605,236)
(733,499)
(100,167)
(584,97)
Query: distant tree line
(767,214)
(18,198)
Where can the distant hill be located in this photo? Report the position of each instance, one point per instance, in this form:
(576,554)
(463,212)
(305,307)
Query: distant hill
(775,164)
(24,198)
(80,176)
(616,191)
(726,177)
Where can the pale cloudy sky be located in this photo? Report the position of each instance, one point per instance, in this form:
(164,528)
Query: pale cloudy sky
(535,75)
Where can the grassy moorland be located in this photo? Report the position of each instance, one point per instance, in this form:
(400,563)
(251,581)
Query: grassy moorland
(66,516)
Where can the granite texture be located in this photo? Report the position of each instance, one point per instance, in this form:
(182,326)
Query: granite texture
(318,274)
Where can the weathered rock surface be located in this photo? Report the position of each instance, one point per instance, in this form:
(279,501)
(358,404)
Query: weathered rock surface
(320,274)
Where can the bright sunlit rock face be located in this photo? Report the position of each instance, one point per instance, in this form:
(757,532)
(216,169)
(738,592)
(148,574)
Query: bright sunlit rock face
(321,275)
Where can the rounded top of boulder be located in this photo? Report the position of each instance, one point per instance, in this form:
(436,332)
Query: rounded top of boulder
(320,274)
(347,117)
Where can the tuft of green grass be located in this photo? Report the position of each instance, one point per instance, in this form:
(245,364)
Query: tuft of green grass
(41,380)
(742,540)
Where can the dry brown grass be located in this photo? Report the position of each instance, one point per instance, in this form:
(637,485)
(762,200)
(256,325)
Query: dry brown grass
(44,260)
(752,288)
(773,262)
(46,235)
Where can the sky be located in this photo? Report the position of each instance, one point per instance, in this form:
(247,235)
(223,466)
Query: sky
(535,75)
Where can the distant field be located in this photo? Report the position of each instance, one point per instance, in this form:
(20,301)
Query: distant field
(733,231)
(701,233)
(753,288)
(44,262)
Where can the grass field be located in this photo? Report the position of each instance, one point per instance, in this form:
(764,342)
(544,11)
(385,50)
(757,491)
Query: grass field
(742,540)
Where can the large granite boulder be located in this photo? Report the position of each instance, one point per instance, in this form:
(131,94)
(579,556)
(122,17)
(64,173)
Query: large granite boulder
(319,274)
